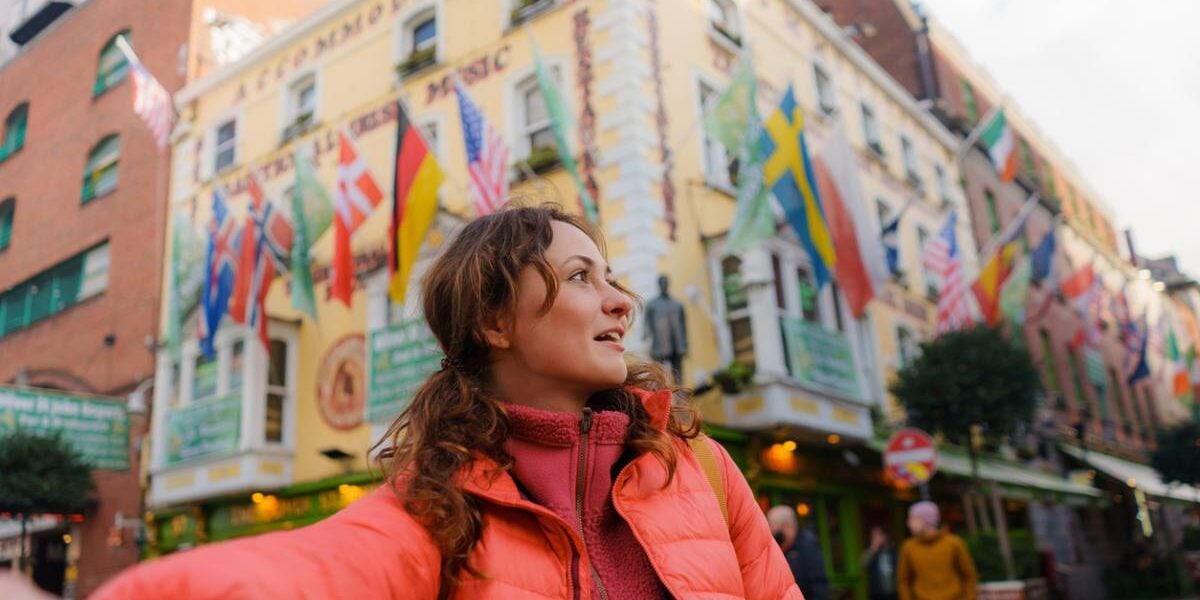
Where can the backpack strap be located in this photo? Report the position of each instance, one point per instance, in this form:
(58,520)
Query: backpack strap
(703,451)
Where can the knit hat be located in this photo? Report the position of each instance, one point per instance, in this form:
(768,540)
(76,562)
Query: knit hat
(927,512)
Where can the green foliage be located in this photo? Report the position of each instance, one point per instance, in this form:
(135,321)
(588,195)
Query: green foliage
(967,377)
(1177,457)
(41,474)
(735,377)
(985,549)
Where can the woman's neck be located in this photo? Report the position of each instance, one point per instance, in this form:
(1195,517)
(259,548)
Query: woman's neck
(538,393)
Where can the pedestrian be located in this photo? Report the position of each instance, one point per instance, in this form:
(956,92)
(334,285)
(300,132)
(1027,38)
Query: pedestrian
(540,461)
(879,563)
(934,563)
(802,550)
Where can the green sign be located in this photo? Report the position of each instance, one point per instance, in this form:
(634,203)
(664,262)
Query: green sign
(204,429)
(400,358)
(98,429)
(819,357)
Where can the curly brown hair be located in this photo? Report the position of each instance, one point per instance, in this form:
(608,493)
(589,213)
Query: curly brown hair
(454,419)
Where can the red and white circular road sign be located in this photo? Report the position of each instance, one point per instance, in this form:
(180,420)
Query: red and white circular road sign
(910,457)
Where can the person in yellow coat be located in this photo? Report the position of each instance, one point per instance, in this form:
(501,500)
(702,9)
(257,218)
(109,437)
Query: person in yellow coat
(934,563)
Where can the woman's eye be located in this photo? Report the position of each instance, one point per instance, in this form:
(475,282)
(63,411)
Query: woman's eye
(578,276)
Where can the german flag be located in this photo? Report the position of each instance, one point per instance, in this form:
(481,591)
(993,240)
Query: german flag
(414,201)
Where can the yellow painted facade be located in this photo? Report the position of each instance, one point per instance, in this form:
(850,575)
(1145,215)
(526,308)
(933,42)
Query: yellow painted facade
(632,74)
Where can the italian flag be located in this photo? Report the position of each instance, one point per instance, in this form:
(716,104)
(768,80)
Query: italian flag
(1001,146)
(1180,373)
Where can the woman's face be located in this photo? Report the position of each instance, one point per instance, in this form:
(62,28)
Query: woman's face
(577,346)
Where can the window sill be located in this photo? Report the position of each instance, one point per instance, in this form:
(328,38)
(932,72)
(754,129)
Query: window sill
(95,197)
(413,65)
(724,39)
(529,12)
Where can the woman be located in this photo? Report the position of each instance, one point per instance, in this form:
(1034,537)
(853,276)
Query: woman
(537,463)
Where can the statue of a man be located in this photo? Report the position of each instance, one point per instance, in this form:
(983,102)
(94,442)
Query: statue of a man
(667,327)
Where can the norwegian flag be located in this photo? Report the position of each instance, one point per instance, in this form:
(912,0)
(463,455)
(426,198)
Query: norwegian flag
(220,272)
(151,101)
(487,156)
(941,256)
(271,235)
(356,196)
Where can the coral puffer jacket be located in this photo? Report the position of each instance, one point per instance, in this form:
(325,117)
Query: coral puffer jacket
(375,549)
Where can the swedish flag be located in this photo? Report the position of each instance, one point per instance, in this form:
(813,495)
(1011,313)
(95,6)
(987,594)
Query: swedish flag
(788,173)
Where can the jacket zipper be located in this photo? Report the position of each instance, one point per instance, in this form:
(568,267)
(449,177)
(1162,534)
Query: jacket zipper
(585,427)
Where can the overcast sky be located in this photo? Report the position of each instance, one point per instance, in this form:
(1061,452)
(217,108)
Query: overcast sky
(1116,85)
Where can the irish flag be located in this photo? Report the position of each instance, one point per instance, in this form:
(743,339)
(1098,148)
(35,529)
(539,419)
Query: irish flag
(1001,146)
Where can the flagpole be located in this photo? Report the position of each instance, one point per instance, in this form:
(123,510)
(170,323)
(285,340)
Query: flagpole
(1019,221)
(961,152)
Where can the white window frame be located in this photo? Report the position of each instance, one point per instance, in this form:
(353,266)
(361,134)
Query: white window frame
(908,159)
(714,156)
(215,149)
(872,136)
(827,100)
(518,83)
(732,23)
(943,183)
(290,108)
(932,285)
(903,356)
(406,23)
(94,279)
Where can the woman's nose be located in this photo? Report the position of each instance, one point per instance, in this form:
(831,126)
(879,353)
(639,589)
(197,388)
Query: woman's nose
(617,303)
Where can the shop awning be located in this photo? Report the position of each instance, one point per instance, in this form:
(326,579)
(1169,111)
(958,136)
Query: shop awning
(1008,474)
(1134,475)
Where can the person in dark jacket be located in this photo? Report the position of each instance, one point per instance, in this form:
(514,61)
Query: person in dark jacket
(879,565)
(802,550)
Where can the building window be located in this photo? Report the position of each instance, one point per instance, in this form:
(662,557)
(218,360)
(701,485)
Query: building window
(418,43)
(1076,377)
(1048,180)
(737,311)
(969,104)
(524,10)
(826,96)
(909,155)
(836,294)
(943,184)
(1027,160)
(225,152)
(536,145)
(54,290)
(1118,399)
(277,393)
(719,170)
(931,286)
(14,130)
(113,66)
(100,173)
(993,214)
(907,346)
(871,130)
(723,17)
(301,107)
(8,209)
(1049,364)
(884,211)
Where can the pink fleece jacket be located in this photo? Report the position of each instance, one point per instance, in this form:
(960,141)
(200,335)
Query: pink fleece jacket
(549,449)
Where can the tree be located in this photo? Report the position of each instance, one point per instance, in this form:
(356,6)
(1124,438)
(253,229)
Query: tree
(1177,457)
(41,474)
(973,377)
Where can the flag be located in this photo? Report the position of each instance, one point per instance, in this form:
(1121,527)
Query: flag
(733,120)
(890,236)
(788,172)
(356,196)
(186,275)
(561,123)
(1181,386)
(941,256)
(220,270)
(414,202)
(1141,368)
(151,101)
(266,243)
(861,267)
(1001,252)
(487,156)
(1001,146)
(1015,292)
(1083,289)
(312,213)
(1043,256)
(248,255)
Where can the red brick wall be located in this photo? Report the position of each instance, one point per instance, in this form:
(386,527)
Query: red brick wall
(893,44)
(55,76)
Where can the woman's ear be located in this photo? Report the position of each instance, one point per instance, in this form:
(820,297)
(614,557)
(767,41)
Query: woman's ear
(496,332)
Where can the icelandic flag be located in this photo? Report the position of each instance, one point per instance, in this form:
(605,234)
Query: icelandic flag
(220,271)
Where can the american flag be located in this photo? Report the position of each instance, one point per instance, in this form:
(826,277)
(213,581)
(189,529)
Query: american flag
(941,257)
(487,156)
(151,101)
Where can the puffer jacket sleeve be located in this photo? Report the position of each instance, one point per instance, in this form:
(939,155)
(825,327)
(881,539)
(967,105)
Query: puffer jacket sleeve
(371,549)
(765,572)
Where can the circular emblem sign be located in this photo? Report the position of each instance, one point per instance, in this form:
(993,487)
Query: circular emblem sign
(910,457)
(341,383)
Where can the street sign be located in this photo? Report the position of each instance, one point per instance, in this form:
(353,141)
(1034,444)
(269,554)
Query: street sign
(910,457)
(400,358)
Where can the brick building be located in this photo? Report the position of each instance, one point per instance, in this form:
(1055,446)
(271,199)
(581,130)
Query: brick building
(82,209)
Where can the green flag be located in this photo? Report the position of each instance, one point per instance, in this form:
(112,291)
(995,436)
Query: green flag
(1015,292)
(186,278)
(561,122)
(733,119)
(312,214)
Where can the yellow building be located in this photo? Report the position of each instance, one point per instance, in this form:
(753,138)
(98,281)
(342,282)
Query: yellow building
(246,442)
